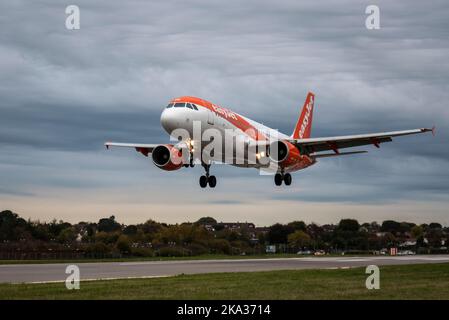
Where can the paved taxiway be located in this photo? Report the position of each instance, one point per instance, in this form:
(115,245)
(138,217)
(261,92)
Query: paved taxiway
(112,270)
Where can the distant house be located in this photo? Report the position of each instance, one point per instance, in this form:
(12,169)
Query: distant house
(238,227)
(408,243)
(209,227)
(262,229)
(234,226)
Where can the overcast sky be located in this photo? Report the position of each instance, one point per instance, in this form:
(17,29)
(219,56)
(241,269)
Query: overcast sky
(63,93)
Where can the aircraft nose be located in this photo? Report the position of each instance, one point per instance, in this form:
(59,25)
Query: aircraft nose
(167,120)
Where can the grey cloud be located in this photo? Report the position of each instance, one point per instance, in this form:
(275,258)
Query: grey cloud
(76,127)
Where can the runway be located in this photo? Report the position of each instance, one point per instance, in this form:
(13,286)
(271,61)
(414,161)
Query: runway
(29,273)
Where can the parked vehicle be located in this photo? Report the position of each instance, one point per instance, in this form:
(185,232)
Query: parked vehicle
(405,253)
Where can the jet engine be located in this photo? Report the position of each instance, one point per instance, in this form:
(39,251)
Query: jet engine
(283,152)
(167,157)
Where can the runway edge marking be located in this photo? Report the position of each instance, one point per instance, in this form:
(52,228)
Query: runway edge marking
(98,279)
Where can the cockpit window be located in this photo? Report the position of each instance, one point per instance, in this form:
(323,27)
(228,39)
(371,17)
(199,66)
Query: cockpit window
(183,105)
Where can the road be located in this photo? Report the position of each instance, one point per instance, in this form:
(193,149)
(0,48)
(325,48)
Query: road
(20,273)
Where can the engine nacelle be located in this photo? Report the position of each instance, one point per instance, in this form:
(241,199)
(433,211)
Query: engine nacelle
(167,157)
(283,153)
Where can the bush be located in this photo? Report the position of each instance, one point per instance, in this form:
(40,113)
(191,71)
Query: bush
(220,246)
(172,252)
(107,237)
(142,252)
(123,244)
(97,248)
(197,249)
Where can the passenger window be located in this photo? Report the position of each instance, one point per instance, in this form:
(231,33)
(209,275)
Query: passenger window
(180,105)
(194,106)
(170,105)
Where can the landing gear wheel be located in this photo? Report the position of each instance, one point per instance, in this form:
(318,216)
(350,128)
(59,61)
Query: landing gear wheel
(278,179)
(207,179)
(203,181)
(212,181)
(288,179)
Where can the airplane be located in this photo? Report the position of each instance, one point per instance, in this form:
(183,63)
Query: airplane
(263,147)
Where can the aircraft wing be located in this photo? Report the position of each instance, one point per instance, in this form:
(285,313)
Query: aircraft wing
(145,149)
(313,145)
(328,155)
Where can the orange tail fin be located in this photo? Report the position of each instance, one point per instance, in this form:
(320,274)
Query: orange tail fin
(303,127)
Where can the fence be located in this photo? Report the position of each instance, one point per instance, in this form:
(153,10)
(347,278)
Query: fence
(54,255)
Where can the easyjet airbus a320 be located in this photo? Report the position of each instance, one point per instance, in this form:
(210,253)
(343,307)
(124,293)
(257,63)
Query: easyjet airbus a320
(206,133)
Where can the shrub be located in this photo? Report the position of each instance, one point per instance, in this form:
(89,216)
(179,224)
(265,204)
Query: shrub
(220,246)
(172,252)
(123,244)
(197,249)
(142,252)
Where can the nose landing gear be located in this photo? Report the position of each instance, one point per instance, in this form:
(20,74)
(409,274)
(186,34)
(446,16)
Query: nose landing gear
(207,179)
(191,164)
(279,177)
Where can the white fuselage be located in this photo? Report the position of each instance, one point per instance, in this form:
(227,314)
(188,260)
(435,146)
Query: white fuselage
(222,123)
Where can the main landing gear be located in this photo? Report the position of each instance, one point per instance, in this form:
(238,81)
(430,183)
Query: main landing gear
(279,177)
(207,179)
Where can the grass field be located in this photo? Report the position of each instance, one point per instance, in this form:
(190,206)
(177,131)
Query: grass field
(421,281)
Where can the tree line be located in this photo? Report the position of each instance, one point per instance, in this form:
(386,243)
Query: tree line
(25,239)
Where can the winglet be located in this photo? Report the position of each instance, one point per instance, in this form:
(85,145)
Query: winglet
(433,130)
